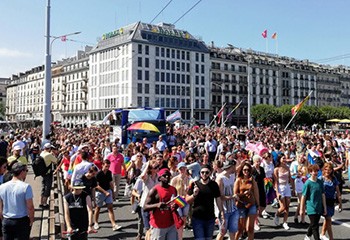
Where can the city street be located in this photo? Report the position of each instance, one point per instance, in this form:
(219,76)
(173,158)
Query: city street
(341,223)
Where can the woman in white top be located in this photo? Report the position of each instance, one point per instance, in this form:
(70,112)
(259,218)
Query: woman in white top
(282,179)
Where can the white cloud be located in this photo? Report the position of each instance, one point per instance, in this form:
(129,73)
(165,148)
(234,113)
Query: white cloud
(13,53)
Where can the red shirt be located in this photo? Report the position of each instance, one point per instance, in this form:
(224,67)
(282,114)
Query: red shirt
(66,163)
(116,163)
(163,218)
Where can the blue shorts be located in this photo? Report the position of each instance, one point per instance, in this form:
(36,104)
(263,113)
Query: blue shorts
(231,220)
(244,212)
(102,198)
(330,211)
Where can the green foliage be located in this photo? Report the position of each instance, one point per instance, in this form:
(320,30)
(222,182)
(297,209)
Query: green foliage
(308,115)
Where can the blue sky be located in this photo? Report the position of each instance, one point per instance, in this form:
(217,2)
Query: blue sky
(306,29)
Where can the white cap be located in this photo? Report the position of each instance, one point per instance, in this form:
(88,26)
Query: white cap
(16,148)
(48,145)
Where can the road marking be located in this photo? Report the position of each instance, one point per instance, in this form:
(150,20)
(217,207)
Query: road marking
(340,223)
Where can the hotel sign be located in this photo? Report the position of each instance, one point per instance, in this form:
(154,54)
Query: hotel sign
(171,32)
(113,34)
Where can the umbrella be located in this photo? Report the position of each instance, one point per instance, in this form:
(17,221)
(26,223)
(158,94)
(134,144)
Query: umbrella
(143,126)
(344,121)
(334,120)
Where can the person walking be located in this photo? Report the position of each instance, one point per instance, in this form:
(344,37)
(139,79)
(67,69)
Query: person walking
(248,200)
(282,179)
(157,203)
(117,163)
(202,194)
(331,188)
(314,201)
(16,205)
(78,212)
(226,180)
(104,194)
(46,183)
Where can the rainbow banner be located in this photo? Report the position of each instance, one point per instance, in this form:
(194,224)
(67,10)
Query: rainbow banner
(180,201)
(299,106)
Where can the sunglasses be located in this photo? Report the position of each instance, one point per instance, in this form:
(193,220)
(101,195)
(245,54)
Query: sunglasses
(205,172)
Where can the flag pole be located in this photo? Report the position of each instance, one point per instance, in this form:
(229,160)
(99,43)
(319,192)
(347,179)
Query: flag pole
(232,112)
(217,114)
(291,120)
(296,113)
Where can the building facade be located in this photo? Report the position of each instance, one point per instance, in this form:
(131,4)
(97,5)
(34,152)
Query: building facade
(147,65)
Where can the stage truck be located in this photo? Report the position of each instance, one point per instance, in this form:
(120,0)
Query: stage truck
(121,119)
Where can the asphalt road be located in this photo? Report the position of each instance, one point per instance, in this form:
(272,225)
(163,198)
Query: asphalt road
(124,217)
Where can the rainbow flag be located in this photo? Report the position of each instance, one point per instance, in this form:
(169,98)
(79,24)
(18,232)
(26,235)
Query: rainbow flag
(127,161)
(300,105)
(180,201)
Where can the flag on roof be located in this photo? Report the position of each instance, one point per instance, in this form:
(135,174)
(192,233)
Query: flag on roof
(264,33)
(274,36)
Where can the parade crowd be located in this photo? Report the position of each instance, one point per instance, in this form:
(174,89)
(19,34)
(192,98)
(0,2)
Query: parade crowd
(195,178)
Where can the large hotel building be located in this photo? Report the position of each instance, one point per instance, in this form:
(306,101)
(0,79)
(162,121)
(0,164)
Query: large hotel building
(146,65)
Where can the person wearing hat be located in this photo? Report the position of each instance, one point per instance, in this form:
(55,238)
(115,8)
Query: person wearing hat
(16,204)
(46,183)
(181,183)
(161,218)
(226,180)
(16,155)
(78,211)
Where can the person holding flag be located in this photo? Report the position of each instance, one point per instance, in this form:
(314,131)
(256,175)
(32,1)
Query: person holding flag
(297,108)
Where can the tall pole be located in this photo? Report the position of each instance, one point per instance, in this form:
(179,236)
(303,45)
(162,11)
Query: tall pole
(248,93)
(222,102)
(192,120)
(47,82)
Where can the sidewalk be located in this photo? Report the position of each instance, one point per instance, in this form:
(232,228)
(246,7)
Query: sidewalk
(40,228)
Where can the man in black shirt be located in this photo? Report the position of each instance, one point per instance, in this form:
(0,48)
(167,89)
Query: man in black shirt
(78,212)
(3,147)
(104,194)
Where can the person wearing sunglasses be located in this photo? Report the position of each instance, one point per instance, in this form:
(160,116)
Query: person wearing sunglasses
(246,189)
(158,204)
(202,194)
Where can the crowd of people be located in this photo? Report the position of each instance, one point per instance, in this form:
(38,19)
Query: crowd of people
(191,178)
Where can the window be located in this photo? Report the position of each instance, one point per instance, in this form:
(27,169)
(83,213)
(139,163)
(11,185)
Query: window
(147,50)
(147,75)
(197,57)
(147,62)
(139,61)
(147,88)
(139,74)
(139,88)
(146,101)
(139,101)
(157,89)
(157,51)
(139,47)
(157,76)
(157,63)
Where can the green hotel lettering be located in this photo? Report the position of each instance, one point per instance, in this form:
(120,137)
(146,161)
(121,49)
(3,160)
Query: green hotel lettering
(113,34)
(169,32)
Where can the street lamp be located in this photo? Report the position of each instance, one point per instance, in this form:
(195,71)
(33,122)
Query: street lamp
(222,101)
(47,82)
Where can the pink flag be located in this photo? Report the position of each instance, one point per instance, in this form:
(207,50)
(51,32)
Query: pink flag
(264,33)
(63,38)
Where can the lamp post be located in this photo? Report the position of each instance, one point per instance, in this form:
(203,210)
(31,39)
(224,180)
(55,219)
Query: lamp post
(47,82)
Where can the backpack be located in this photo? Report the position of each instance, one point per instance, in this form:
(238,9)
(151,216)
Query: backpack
(39,166)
